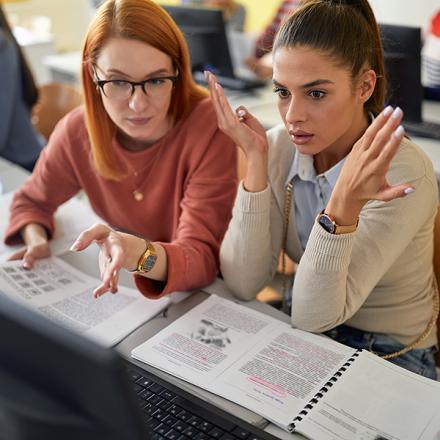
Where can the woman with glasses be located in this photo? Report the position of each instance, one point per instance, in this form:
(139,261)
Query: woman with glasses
(145,149)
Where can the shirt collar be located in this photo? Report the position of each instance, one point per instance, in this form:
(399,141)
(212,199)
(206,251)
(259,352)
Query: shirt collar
(302,168)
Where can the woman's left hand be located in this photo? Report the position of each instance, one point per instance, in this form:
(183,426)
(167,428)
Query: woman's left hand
(363,176)
(115,253)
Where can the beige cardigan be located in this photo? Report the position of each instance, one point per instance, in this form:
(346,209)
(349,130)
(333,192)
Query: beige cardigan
(376,279)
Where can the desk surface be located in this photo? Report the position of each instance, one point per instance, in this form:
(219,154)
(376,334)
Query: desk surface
(11,176)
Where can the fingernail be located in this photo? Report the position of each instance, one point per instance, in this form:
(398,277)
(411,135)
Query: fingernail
(397,113)
(387,110)
(75,246)
(217,86)
(26,265)
(206,73)
(241,113)
(398,132)
(408,190)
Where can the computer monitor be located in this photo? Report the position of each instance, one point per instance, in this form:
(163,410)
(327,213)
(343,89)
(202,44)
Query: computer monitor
(205,34)
(402,50)
(55,384)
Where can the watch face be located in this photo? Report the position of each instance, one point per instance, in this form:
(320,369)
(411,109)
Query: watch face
(149,262)
(326,223)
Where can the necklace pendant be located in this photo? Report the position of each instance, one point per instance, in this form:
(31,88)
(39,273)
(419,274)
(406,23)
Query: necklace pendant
(138,196)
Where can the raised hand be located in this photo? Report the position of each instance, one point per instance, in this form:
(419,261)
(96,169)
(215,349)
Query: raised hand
(246,131)
(363,176)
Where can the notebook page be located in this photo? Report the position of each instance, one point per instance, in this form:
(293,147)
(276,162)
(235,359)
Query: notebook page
(376,399)
(64,295)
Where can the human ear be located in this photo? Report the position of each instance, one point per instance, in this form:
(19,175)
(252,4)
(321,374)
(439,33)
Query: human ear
(367,83)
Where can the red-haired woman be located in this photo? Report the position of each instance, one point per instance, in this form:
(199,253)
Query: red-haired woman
(147,152)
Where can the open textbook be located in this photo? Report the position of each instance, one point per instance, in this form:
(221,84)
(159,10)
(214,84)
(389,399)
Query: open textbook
(64,294)
(300,381)
(71,218)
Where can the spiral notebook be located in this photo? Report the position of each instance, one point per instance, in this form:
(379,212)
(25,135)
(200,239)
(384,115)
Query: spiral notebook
(300,381)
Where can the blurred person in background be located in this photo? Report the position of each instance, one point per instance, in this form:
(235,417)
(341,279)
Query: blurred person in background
(261,61)
(19,142)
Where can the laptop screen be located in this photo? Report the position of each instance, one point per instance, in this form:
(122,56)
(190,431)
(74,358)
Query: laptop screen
(402,51)
(205,34)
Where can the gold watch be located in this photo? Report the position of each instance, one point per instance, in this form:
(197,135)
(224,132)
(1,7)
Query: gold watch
(332,227)
(147,260)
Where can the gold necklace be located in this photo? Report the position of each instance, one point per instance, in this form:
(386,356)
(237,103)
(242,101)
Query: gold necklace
(137,192)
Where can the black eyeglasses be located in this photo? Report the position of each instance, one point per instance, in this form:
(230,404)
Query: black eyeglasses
(120,89)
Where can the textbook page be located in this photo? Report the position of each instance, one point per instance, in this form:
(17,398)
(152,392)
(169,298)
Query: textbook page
(71,218)
(64,295)
(376,399)
(245,356)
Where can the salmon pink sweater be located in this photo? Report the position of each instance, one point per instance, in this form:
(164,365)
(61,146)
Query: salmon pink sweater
(188,182)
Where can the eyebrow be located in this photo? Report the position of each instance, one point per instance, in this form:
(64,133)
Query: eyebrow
(316,82)
(154,73)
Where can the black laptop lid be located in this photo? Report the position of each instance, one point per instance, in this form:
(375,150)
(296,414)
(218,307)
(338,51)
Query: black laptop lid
(205,34)
(56,384)
(402,51)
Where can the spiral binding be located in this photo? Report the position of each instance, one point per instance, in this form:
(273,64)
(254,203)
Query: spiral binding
(314,400)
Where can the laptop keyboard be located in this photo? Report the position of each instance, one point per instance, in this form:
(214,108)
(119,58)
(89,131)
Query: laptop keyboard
(171,415)
(424,129)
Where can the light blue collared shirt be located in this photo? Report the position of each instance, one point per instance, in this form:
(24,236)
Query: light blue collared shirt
(311,192)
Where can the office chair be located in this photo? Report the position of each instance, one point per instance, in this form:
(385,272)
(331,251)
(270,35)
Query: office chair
(437,268)
(55,100)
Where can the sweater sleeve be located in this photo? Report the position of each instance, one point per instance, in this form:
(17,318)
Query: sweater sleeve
(192,256)
(246,258)
(52,182)
(337,273)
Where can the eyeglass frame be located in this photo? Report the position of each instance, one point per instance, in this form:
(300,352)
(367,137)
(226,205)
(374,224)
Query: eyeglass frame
(102,82)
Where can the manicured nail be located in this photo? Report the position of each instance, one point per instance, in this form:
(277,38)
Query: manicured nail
(241,113)
(397,113)
(75,246)
(408,190)
(387,110)
(398,132)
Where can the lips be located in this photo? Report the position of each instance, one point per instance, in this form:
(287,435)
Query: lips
(300,137)
(138,121)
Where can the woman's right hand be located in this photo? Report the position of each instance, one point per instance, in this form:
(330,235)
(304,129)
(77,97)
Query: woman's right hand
(246,131)
(37,246)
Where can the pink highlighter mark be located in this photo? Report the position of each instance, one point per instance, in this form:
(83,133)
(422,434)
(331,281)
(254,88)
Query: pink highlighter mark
(279,392)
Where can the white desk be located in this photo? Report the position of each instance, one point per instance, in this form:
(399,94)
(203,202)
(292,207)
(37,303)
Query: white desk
(64,67)
(11,176)
(36,48)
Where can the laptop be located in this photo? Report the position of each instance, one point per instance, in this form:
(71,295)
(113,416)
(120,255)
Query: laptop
(57,384)
(402,50)
(205,33)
